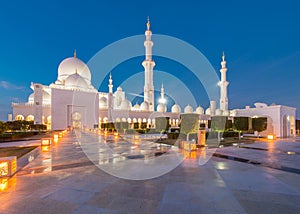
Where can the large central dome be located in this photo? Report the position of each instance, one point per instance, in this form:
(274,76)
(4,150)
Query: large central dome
(73,65)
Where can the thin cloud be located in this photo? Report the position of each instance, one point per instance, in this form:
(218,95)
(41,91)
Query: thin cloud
(9,86)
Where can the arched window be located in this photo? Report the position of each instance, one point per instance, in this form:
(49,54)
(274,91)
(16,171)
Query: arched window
(19,117)
(30,118)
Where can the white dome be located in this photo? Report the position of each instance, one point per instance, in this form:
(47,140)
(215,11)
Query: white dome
(219,112)
(161,107)
(46,98)
(75,81)
(136,107)
(226,113)
(207,112)
(176,109)
(126,105)
(102,103)
(188,109)
(144,106)
(71,65)
(199,110)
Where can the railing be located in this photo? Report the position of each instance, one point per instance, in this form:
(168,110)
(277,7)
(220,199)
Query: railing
(29,104)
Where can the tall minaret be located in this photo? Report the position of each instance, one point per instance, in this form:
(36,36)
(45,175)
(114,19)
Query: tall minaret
(162,95)
(148,64)
(110,85)
(110,99)
(223,86)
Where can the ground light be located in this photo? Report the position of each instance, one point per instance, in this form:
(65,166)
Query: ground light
(271,137)
(46,141)
(8,166)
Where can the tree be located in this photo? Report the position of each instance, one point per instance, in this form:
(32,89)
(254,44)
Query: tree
(162,123)
(189,123)
(259,124)
(241,123)
(3,127)
(220,123)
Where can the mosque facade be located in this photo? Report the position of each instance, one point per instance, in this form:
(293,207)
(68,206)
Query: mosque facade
(73,102)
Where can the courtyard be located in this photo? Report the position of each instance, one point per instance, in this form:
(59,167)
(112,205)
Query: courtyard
(261,177)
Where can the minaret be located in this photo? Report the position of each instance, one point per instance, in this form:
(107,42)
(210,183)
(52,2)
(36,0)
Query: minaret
(223,86)
(148,65)
(110,99)
(110,85)
(162,95)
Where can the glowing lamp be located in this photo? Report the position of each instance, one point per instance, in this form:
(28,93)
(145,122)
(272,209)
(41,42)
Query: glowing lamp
(55,136)
(46,141)
(271,137)
(60,134)
(189,145)
(8,166)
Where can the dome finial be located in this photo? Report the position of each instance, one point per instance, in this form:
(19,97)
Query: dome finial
(148,23)
(75,55)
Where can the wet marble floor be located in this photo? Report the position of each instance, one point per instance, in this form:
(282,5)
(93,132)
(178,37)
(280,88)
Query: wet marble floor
(62,179)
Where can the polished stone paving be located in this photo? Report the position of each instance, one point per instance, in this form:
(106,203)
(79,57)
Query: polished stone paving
(64,180)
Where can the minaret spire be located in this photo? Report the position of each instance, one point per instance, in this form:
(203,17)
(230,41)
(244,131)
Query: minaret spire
(148,23)
(223,85)
(148,65)
(162,94)
(110,85)
(75,55)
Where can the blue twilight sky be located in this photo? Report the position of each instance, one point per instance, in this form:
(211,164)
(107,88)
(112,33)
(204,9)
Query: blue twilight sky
(261,40)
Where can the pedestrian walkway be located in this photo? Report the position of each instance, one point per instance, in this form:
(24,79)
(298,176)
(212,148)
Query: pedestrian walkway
(62,179)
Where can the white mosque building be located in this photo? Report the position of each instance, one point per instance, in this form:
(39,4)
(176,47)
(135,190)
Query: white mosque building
(73,102)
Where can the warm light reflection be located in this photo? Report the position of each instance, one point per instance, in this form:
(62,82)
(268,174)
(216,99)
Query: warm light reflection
(45,148)
(3,184)
(190,155)
(55,140)
(55,136)
(60,134)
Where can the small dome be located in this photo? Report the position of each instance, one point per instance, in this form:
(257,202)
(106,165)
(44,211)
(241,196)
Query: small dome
(75,81)
(199,110)
(46,98)
(136,107)
(219,112)
(126,105)
(144,106)
(176,109)
(102,103)
(188,109)
(70,65)
(207,111)
(161,107)
(226,113)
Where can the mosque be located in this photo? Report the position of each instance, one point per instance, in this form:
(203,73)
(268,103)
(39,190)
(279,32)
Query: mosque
(73,102)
